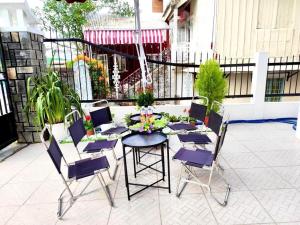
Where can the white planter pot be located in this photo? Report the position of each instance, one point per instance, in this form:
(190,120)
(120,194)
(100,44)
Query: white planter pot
(58,130)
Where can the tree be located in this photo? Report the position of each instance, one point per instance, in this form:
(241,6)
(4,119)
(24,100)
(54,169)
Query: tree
(118,8)
(68,19)
(210,82)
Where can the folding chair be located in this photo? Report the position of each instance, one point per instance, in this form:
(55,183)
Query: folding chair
(198,138)
(77,132)
(103,116)
(77,170)
(197,111)
(202,159)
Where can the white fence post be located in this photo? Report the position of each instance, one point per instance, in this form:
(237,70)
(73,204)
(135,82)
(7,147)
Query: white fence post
(116,76)
(259,80)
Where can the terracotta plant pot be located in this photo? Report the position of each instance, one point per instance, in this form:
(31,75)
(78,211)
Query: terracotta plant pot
(89,132)
(206,120)
(193,123)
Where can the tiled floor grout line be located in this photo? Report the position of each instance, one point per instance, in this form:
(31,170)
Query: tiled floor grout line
(41,183)
(272,168)
(254,196)
(210,208)
(114,196)
(20,171)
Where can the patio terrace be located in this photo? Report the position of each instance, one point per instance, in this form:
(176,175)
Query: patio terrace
(261,161)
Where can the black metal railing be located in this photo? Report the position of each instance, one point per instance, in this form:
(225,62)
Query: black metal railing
(172,79)
(283,78)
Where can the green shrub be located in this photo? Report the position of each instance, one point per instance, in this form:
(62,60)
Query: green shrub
(211,83)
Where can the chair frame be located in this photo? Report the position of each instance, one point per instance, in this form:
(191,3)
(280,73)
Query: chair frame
(215,166)
(100,150)
(67,182)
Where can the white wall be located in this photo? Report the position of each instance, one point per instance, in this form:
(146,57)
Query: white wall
(244,27)
(202,13)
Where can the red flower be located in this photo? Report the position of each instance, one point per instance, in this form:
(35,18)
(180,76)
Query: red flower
(88,118)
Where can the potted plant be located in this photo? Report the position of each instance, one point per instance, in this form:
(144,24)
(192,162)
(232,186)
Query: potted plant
(145,98)
(88,125)
(51,100)
(211,83)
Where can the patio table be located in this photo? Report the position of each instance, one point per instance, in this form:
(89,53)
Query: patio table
(137,141)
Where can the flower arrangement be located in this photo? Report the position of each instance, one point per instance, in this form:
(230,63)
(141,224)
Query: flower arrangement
(147,123)
(145,98)
(100,80)
(88,125)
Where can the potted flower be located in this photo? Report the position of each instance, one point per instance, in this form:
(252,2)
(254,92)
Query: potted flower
(211,83)
(88,125)
(145,98)
(51,100)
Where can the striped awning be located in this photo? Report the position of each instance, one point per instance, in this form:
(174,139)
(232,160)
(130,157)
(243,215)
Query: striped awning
(114,37)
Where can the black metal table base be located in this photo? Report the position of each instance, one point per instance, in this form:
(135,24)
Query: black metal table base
(137,162)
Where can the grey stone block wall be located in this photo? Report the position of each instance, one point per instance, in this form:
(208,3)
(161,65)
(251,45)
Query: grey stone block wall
(24,57)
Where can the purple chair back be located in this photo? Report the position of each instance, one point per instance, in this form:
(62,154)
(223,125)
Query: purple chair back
(101,116)
(220,141)
(77,131)
(215,122)
(198,111)
(55,154)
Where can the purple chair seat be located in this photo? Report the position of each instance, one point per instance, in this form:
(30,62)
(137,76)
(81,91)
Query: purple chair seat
(115,130)
(98,145)
(182,126)
(195,138)
(197,158)
(87,167)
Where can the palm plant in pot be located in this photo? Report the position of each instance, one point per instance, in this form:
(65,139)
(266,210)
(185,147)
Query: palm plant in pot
(211,83)
(51,99)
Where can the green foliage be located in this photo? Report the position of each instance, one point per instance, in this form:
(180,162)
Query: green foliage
(68,19)
(50,98)
(210,82)
(145,98)
(127,119)
(118,8)
(173,118)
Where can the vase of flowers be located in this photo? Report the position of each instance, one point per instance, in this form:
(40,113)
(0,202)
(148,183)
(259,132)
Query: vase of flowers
(147,123)
(88,125)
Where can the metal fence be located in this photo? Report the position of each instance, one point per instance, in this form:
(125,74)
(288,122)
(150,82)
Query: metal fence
(91,69)
(283,78)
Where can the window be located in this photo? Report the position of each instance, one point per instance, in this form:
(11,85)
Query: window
(121,60)
(274,86)
(157,6)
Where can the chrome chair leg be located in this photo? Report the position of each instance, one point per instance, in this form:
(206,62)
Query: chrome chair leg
(105,188)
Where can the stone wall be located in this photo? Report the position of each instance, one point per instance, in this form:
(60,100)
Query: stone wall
(24,57)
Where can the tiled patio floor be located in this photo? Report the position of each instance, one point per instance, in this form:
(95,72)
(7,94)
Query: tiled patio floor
(261,161)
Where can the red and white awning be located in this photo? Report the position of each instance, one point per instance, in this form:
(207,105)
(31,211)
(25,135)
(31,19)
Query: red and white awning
(114,37)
